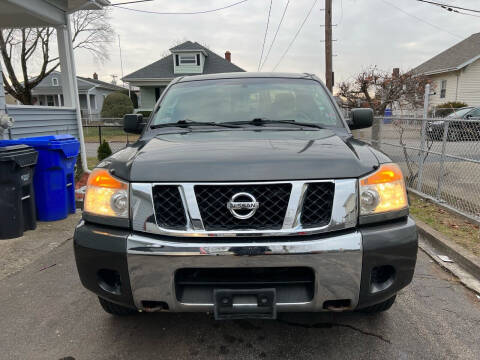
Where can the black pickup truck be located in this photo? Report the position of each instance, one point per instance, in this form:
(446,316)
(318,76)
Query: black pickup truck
(246,195)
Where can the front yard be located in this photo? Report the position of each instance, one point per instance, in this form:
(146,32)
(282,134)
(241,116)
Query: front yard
(459,230)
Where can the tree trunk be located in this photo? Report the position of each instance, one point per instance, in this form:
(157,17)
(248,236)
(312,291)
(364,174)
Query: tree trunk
(26,97)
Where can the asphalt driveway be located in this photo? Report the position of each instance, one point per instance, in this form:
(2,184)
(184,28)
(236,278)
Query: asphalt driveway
(46,314)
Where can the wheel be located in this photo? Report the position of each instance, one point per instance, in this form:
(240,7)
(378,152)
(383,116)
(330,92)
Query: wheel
(377,308)
(115,309)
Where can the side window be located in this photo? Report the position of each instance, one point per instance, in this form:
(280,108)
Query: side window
(443,89)
(474,114)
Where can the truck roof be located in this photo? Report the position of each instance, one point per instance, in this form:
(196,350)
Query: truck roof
(235,75)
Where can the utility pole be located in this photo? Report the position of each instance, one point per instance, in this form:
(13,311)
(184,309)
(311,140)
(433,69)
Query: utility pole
(121,59)
(328,45)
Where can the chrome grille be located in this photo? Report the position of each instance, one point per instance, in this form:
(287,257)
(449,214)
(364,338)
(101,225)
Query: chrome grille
(285,208)
(317,205)
(273,199)
(169,210)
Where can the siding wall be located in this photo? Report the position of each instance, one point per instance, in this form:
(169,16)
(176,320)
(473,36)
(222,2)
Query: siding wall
(188,68)
(42,120)
(100,95)
(468,86)
(451,94)
(147,97)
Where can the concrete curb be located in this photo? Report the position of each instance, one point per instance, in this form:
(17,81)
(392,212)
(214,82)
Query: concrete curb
(442,243)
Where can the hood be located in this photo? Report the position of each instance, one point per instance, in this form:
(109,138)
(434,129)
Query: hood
(244,155)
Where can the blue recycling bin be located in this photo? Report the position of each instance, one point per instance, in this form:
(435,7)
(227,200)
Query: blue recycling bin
(54,179)
(387,116)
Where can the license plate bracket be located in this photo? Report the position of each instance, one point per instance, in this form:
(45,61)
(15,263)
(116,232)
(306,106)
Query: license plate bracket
(245,304)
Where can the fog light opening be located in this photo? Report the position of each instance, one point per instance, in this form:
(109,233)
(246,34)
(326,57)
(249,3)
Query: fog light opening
(381,278)
(154,306)
(109,280)
(338,305)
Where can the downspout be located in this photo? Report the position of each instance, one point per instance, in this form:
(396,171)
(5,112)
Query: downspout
(83,153)
(456,90)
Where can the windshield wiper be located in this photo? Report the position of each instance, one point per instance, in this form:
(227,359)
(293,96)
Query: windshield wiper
(263,121)
(187,123)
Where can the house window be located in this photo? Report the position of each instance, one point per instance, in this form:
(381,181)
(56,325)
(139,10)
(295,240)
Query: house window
(50,101)
(158,92)
(55,81)
(188,59)
(443,89)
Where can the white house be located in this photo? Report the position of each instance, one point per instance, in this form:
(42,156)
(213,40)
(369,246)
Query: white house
(187,58)
(455,73)
(91,92)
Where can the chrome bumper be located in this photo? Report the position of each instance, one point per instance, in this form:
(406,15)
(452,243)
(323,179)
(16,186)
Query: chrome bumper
(336,262)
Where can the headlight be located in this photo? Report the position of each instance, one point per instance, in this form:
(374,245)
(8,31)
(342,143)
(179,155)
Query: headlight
(383,191)
(106,195)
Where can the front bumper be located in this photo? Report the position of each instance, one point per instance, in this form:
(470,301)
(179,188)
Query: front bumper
(342,263)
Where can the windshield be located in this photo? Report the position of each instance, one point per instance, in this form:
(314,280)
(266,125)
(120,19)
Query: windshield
(460,113)
(228,100)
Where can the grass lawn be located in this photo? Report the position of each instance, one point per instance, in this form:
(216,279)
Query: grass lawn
(92,162)
(113,133)
(459,230)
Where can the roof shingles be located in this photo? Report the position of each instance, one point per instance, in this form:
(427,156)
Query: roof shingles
(453,58)
(163,68)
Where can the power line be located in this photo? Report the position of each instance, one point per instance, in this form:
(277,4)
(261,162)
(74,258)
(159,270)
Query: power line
(265,37)
(422,20)
(182,13)
(276,32)
(451,9)
(295,37)
(448,7)
(131,2)
(463,13)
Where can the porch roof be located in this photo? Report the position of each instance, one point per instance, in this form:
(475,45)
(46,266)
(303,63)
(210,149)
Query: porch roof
(38,13)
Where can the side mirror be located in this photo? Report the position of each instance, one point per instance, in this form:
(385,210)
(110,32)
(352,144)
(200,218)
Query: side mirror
(360,118)
(133,123)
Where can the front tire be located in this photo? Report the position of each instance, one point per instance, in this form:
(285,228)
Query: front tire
(378,308)
(115,309)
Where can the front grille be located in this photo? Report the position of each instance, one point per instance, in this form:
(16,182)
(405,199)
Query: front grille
(169,210)
(317,205)
(272,198)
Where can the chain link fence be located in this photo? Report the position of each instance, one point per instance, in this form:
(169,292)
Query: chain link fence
(113,134)
(440,157)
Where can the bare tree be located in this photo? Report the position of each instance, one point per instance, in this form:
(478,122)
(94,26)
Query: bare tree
(32,48)
(379,89)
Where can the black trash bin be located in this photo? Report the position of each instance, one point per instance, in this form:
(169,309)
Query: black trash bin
(17,203)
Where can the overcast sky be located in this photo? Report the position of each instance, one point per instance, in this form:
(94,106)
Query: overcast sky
(386,33)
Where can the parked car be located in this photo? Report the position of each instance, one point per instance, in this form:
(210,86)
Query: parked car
(246,195)
(463,124)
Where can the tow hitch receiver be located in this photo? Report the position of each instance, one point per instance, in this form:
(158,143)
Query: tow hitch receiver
(245,304)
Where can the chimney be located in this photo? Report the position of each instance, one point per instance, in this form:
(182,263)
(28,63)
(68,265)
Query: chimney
(228,56)
(396,72)
(95,76)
